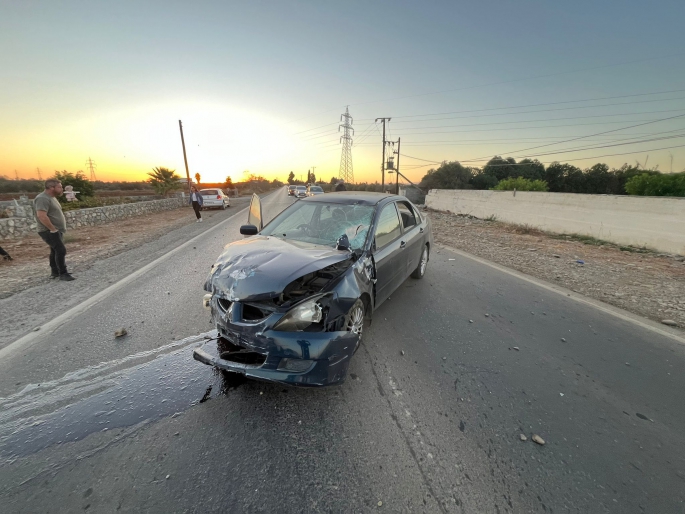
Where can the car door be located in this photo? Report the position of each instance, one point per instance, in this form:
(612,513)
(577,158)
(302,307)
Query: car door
(388,253)
(254,214)
(412,236)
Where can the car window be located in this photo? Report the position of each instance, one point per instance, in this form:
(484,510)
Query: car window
(407,215)
(316,189)
(388,226)
(209,192)
(323,223)
(301,188)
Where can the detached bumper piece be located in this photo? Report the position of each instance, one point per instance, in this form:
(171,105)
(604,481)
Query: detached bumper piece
(293,358)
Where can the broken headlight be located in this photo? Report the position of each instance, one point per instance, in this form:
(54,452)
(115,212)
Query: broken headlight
(301,316)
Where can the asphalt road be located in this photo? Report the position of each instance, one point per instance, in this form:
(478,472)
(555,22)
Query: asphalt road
(453,369)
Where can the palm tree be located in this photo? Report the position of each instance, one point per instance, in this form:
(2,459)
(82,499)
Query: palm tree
(164,180)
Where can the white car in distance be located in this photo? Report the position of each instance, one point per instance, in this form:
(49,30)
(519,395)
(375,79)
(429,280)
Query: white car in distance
(214,198)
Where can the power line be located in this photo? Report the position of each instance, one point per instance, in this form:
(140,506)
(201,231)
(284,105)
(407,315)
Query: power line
(530,77)
(544,104)
(597,134)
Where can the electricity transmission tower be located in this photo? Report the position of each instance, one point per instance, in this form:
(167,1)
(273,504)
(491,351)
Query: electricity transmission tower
(90,164)
(346,172)
(40,176)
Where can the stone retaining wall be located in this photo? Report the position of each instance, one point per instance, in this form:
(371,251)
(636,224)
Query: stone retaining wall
(15,227)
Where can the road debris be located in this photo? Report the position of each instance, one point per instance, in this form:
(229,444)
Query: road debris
(444,358)
(380,504)
(120,332)
(561,394)
(401,352)
(563,339)
(579,261)
(470,321)
(451,259)
(669,322)
(487,315)
(516,348)
(523,437)
(537,439)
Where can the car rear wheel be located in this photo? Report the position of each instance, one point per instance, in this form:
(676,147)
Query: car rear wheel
(223,206)
(420,270)
(354,321)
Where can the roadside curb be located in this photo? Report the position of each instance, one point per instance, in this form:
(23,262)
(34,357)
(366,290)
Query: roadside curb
(625,315)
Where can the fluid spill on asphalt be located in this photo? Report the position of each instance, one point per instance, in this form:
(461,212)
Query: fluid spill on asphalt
(86,402)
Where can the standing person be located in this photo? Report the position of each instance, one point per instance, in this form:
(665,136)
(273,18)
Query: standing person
(196,201)
(340,186)
(51,227)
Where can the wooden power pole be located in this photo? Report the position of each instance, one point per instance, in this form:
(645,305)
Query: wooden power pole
(383,120)
(185,158)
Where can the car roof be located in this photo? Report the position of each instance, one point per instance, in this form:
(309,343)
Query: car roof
(352,197)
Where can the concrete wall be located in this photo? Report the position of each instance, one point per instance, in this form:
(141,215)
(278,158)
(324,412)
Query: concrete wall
(654,222)
(15,227)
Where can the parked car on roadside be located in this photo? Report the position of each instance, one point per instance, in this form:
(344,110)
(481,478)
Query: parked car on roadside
(289,302)
(314,190)
(291,190)
(214,198)
(300,191)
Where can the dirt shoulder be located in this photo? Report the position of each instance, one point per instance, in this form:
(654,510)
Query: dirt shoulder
(646,283)
(85,246)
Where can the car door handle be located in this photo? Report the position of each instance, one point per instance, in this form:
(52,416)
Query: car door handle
(403,244)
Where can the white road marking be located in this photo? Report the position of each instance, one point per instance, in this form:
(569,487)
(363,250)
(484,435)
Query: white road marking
(642,322)
(67,316)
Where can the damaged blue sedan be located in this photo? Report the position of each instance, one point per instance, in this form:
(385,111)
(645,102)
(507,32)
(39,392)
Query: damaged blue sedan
(289,303)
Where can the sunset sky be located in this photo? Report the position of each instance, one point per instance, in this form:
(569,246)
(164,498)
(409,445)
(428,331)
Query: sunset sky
(261,85)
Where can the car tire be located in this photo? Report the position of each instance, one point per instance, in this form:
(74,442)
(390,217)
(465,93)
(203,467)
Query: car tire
(354,321)
(223,206)
(420,270)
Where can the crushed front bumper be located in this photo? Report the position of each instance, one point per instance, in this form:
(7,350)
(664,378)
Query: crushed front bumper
(326,356)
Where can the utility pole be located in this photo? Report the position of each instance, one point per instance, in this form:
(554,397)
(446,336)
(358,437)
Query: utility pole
(397,169)
(383,120)
(40,177)
(185,158)
(16,175)
(90,164)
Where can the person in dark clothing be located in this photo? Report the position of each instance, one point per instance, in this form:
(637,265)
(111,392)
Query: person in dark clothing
(51,226)
(5,255)
(340,186)
(196,201)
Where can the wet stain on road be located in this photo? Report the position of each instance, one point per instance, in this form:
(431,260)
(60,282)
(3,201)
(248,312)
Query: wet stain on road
(73,409)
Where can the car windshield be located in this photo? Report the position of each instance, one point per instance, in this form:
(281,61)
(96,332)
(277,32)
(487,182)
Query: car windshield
(208,192)
(316,189)
(301,188)
(322,223)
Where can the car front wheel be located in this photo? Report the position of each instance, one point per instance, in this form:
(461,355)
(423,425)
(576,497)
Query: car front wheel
(420,270)
(354,321)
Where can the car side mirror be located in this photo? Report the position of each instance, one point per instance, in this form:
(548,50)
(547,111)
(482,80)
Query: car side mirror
(249,230)
(343,243)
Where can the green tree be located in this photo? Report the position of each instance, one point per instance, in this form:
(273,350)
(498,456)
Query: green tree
(78,181)
(520,184)
(501,168)
(229,183)
(197,178)
(482,180)
(531,169)
(291,178)
(666,184)
(449,175)
(164,180)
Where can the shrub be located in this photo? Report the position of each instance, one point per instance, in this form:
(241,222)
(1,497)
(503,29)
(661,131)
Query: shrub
(520,184)
(657,185)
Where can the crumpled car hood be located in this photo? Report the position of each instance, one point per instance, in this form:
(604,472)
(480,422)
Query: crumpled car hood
(261,267)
